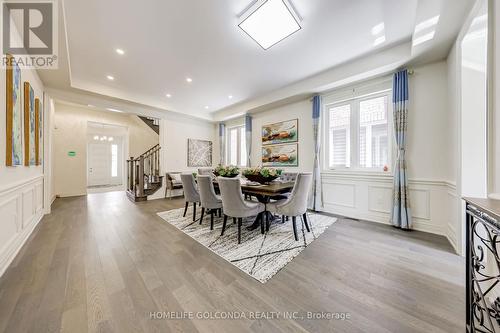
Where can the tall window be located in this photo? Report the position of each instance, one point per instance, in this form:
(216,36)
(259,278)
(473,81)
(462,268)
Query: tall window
(358,132)
(236,146)
(114,160)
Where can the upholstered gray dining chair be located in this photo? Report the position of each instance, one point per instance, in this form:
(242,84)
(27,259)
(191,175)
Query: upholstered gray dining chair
(296,204)
(234,206)
(286,177)
(191,193)
(209,201)
(205,171)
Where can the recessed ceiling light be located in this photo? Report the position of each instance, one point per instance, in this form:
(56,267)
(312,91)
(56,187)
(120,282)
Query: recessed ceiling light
(110,78)
(120,51)
(114,110)
(188,79)
(90,105)
(168,95)
(270,23)
(230,96)
(206,106)
(379,28)
(423,38)
(379,40)
(427,24)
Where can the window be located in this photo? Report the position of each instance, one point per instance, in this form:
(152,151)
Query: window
(236,146)
(358,132)
(114,160)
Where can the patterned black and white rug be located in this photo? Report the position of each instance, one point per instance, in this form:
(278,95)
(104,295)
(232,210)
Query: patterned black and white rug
(260,256)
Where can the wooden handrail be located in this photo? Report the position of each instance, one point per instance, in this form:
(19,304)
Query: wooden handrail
(143,169)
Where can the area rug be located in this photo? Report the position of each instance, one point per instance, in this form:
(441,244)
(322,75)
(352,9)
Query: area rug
(260,256)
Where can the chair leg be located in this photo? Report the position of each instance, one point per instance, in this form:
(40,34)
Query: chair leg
(306,223)
(202,213)
(224,225)
(240,222)
(220,212)
(294,220)
(261,218)
(185,209)
(234,220)
(282,218)
(194,211)
(267,221)
(211,219)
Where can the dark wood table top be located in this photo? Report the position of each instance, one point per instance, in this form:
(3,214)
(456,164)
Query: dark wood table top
(270,190)
(267,190)
(490,206)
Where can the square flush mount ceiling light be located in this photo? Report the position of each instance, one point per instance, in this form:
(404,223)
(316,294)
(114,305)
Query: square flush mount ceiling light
(270,21)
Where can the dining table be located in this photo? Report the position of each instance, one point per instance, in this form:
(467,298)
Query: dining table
(264,193)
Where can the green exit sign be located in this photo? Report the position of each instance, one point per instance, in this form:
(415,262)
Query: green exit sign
(72,153)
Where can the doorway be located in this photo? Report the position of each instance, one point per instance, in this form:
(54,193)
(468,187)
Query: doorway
(105,157)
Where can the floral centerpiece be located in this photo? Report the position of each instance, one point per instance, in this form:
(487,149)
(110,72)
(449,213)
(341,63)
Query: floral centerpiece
(262,175)
(229,171)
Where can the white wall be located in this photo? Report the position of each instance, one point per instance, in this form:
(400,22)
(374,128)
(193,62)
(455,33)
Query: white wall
(495,135)
(21,188)
(70,134)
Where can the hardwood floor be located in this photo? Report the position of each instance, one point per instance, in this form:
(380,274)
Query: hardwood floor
(102,263)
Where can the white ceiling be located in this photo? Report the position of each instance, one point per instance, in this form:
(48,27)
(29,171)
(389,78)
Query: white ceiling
(166,41)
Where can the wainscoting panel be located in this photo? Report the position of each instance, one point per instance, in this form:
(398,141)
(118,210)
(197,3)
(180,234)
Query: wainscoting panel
(369,197)
(21,208)
(339,194)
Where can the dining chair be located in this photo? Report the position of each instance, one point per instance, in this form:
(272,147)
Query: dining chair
(205,171)
(209,200)
(286,177)
(233,204)
(296,204)
(191,193)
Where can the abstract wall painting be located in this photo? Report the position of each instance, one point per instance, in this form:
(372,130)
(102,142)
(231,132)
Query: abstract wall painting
(199,153)
(285,155)
(29,126)
(282,132)
(14,130)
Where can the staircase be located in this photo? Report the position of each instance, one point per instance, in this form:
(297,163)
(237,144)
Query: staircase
(143,175)
(153,123)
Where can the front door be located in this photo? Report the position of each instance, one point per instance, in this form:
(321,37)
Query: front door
(99,160)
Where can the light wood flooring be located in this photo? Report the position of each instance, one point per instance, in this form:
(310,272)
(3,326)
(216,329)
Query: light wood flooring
(103,264)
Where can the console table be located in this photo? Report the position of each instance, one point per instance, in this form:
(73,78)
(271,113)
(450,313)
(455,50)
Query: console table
(482,265)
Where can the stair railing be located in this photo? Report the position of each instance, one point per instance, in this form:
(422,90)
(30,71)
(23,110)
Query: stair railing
(143,170)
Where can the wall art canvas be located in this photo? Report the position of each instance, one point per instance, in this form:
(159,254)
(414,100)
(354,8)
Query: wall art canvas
(14,126)
(38,132)
(285,155)
(282,132)
(29,125)
(199,153)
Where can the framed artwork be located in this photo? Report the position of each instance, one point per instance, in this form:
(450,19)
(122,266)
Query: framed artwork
(284,155)
(282,132)
(14,128)
(38,132)
(29,126)
(199,153)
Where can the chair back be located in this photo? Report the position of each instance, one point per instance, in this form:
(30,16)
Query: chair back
(207,193)
(205,171)
(297,202)
(232,197)
(288,176)
(190,191)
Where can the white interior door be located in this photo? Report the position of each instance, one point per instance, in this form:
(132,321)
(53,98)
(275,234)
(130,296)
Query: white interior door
(99,164)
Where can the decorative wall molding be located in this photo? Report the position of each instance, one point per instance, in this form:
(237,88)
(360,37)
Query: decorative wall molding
(21,208)
(371,196)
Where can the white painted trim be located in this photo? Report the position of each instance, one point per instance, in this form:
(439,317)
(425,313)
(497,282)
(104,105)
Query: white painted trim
(15,186)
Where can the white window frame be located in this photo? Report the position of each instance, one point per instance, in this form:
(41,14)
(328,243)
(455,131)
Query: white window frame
(241,130)
(354,96)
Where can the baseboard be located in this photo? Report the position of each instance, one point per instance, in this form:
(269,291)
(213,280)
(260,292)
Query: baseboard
(10,251)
